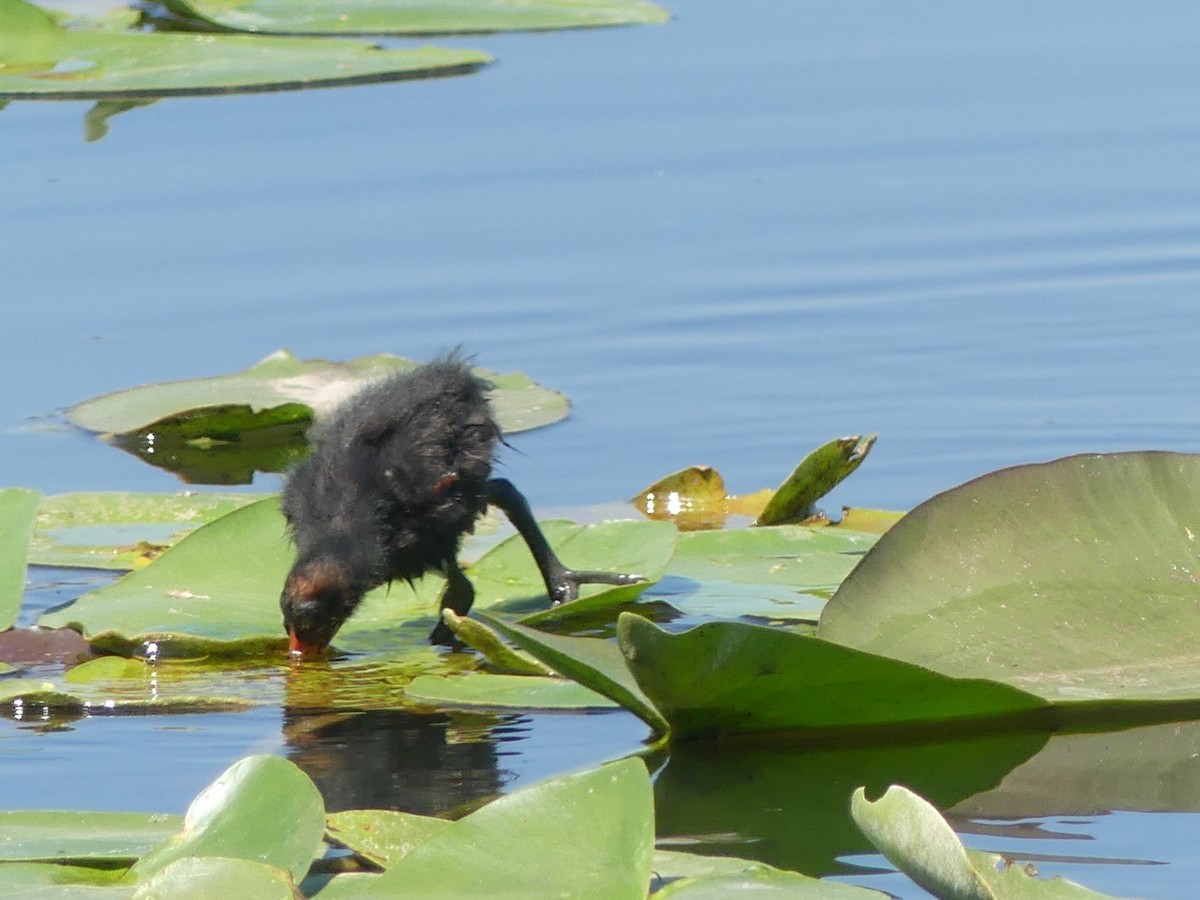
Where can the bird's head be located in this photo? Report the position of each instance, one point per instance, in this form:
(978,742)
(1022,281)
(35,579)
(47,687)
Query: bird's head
(318,596)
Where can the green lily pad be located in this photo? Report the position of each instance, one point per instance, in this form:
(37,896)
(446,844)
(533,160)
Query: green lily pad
(121,530)
(505,692)
(916,839)
(383,836)
(502,658)
(1074,580)
(779,572)
(200,878)
(66,836)
(17,510)
(594,832)
(415,17)
(818,474)
(721,679)
(52,881)
(40,59)
(221,430)
(262,808)
(283,382)
(766,883)
(217,590)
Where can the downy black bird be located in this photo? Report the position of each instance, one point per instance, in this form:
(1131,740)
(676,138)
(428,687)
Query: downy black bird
(397,475)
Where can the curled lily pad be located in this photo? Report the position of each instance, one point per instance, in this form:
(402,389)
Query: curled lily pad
(414,16)
(40,59)
(818,474)
(917,840)
(201,877)
(383,836)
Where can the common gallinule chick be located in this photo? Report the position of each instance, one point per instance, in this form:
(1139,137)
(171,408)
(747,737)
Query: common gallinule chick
(396,477)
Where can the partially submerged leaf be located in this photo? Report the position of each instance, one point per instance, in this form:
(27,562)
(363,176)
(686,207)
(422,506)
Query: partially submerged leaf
(262,808)
(816,475)
(767,883)
(17,510)
(40,59)
(693,498)
(1074,580)
(415,16)
(501,657)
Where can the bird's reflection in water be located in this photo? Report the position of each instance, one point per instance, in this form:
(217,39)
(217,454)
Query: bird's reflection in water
(431,764)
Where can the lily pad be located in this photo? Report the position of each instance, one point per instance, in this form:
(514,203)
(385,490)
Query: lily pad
(917,840)
(199,878)
(121,530)
(782,572)
(66,836)
(765,883)
(40,59)
(414,17)
(722,679)
(383,836)
(594,831)
(217,590)
(505,692)
(17,510)
(240,815)
(695,499)
(816,475)
(1074,580)
(283,382)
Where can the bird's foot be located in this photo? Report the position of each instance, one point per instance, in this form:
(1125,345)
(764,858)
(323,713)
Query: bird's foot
(566,583)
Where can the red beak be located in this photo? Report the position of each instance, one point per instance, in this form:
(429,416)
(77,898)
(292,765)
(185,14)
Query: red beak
(298,647)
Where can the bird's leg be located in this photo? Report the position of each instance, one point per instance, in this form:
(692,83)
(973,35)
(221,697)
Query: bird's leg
(562,584)
(458,595)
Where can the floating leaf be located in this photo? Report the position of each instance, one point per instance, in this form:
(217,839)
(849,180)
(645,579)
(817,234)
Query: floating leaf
(417,17)
(383,836)
(916,839)
(1073,580)
(61,836)
(217,591)
(220,430)
(599,824)
(766,883)
(818,474)
(121,530)
(505,692)
(38,58)
(727,678)
(242,815)
(17,510)
(200,878)
(783,572)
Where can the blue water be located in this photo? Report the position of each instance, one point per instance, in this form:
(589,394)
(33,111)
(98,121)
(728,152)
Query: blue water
(973,230)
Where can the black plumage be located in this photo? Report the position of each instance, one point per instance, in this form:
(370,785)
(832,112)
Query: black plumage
(395,478)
